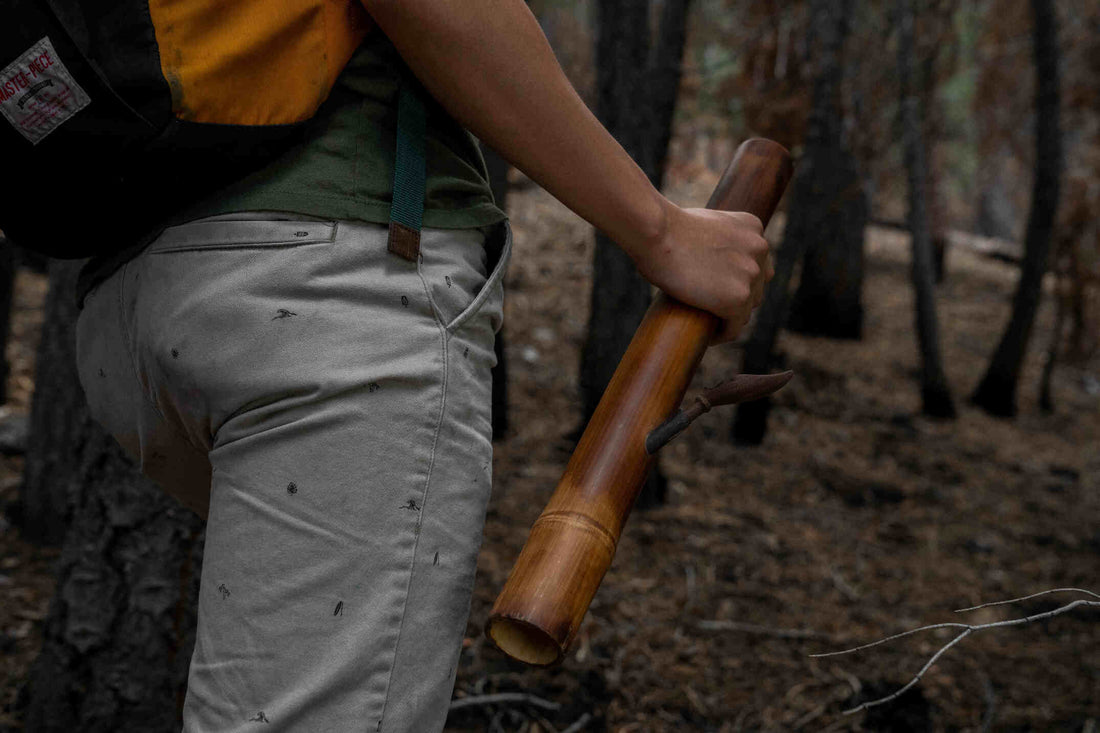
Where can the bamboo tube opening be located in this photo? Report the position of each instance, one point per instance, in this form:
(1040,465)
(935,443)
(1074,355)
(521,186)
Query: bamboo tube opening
(523,641)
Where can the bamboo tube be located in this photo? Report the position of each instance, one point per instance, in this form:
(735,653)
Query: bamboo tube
(573,541)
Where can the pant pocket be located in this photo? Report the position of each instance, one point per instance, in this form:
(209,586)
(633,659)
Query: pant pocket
(463,270)
(220,233)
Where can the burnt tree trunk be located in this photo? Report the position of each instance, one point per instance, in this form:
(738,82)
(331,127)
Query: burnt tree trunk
(815,202)
(118,636)
(7,290)
(935,391)
(59,420)
(828,301)
(1083,338)
(933,42)
(996,394)
(1046,376)
(932,129)
(637,85)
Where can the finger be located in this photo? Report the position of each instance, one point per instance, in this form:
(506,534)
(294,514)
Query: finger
(730,329)
(726,332)
(733,330)
(751,221)
(757,273)
(758,292)
(763,253)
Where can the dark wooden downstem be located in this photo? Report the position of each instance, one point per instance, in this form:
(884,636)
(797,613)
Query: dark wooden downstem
(573,541)
(742,388)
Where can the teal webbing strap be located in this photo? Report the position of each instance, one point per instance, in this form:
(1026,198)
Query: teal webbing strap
(409,173)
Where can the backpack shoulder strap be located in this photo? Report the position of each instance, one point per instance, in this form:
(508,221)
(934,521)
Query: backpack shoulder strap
(409,172)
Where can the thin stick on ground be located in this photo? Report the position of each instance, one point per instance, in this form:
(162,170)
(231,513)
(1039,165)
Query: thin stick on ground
(1027,598)
(723,625)
(517,698)
(967,630)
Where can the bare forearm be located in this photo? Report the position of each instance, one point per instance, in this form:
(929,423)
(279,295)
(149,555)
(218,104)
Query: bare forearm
(489,64)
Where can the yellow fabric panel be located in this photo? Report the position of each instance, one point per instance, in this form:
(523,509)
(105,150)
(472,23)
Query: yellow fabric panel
(254,62)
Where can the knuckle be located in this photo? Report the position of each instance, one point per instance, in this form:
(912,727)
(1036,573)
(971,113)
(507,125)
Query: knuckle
(748,220)
(754,221)
(740,292)
(752,269)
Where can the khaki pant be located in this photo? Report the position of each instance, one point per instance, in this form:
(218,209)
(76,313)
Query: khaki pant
(328,404)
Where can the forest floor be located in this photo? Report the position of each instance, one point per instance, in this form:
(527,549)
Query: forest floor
(856,519)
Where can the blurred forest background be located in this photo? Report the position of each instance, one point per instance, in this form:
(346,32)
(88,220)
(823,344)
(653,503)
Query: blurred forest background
(937,295)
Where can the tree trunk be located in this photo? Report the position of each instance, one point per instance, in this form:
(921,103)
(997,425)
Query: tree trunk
(620,295)
(937,216)
(936,40)
(497,168)
(828,299)
(1046,377)
(663,86)
(59,420)
(118,636)
(935,392)
(996,394)
(7,289)
(814,203)
(637,91)
(1083,337)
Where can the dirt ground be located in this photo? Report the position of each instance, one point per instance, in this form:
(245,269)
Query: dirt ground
(856,519)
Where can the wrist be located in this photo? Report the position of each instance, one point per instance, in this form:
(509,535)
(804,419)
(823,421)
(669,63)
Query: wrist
(648,231)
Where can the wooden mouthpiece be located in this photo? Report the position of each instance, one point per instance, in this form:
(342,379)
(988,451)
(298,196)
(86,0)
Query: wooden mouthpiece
(573,541)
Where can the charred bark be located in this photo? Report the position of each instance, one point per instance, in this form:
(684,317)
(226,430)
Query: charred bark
(996,394)
(813,203)
(120,629)
(828,301)
(665,72)
(637,85)
(7,290)
(935,391)
(59,422)
(1046,377)
(119,632)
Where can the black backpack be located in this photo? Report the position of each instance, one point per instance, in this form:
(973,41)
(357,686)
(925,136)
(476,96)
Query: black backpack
(95,154)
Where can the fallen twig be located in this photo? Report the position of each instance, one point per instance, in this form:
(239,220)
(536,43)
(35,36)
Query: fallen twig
(519,698)
(722,625)
(967,629)
(1027,598)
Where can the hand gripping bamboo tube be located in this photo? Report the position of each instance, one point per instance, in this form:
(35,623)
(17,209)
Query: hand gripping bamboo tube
(572,542)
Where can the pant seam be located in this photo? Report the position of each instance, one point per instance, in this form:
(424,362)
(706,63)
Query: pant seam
(124,325)
(444,344)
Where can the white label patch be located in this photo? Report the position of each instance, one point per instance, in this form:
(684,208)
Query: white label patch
(37,92)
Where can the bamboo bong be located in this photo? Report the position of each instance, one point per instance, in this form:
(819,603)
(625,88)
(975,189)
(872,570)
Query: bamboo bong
(573,541)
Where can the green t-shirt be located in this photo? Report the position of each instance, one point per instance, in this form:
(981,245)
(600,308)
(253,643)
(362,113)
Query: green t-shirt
(343,168)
